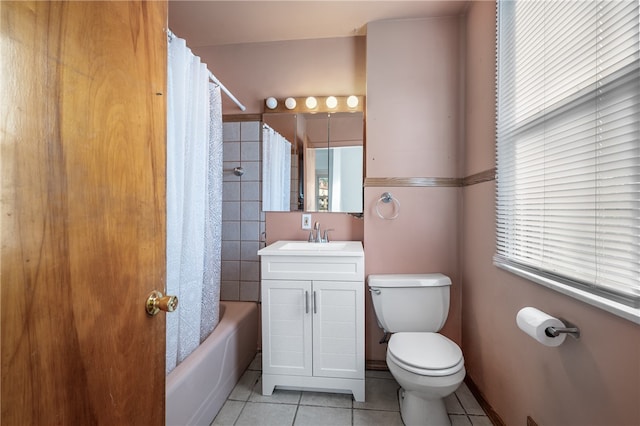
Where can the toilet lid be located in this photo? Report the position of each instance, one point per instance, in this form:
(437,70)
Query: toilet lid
(427,351)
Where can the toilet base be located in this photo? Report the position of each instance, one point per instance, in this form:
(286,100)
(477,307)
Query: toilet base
(417,411)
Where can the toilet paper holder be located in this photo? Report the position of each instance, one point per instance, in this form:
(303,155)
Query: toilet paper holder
(556,331)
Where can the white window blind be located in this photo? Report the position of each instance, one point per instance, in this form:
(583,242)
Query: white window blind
(568,144)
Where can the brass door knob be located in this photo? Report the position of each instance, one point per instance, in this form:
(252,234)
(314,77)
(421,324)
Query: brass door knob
(156,302)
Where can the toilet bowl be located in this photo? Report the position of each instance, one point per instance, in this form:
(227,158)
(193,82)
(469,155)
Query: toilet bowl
(428,367)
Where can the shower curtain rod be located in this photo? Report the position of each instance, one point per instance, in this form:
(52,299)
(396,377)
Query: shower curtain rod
(213,78)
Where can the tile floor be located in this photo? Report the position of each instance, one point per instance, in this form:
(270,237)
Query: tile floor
(247,406)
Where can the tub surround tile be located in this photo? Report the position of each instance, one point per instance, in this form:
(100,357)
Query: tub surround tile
(250,130)
(231,231)
(230,250)
(231,191)
(249,291)
(250,191)
(230,211)
(243,221)
(251,171)
(229,290)
(250,151)
(250,211)
(230,131)
(230,270)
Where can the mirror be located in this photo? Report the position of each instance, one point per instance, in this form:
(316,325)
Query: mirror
(325,168)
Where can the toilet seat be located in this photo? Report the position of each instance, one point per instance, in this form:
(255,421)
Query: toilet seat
(426,354)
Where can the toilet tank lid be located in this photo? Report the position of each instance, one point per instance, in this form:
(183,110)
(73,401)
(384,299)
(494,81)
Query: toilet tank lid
(408,280)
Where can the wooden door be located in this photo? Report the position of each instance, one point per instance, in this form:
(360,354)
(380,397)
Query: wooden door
(82,211)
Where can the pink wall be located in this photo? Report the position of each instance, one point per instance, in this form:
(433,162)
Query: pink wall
(255,71)
(591,381)
(287,226)
(415,121)
(413,130)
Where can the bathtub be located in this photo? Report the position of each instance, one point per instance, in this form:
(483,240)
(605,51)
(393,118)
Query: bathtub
(198,387)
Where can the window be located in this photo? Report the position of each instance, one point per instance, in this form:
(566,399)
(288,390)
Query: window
(568,148)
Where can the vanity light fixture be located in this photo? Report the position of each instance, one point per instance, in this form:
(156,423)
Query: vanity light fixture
(311,102)
(272,103)
(315,104)
(290,103)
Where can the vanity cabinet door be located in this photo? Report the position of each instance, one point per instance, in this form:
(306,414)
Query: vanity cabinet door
(338,329)
(286,327)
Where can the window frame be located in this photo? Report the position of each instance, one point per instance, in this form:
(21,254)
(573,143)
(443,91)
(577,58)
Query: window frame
(628,308)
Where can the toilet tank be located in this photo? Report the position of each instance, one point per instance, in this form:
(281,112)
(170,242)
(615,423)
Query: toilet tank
(410,302)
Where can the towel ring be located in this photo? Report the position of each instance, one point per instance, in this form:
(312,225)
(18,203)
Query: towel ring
(387,198)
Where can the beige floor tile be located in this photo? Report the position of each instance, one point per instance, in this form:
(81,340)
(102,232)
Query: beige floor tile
(453,405)
(480,421)
(459,420)
(279,396)
(375,418)
(247,406)
(255,413)
(468,401)
(243,388)
(322,416)
(228,413)
(322,399)
(380,394)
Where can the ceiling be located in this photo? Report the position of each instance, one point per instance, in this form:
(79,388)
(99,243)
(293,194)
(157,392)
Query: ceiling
(213,22)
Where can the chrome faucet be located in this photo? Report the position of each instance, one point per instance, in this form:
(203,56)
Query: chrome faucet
(316,228)
(315,236)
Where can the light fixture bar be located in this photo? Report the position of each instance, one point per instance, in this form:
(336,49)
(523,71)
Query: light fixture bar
(353,103)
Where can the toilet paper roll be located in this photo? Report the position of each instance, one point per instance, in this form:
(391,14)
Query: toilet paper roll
(534,322)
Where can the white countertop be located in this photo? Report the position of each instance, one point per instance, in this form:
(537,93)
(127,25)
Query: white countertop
(304,248)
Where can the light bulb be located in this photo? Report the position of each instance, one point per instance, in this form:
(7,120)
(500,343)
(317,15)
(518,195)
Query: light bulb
(352,101)
(290,103)
(311,102)
(331,102)
(272,102)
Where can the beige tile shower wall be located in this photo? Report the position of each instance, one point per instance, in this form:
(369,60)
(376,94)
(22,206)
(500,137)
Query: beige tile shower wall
(242,219)
(413,130)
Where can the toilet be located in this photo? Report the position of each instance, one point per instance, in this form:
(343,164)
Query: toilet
(427,365)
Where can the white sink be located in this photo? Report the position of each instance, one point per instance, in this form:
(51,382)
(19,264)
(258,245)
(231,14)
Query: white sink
(303,248)
(303,245)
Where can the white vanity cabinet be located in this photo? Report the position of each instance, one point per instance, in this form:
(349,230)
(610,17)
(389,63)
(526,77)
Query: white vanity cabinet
(313,318)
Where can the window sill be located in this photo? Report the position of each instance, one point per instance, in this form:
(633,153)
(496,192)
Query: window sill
(616,308)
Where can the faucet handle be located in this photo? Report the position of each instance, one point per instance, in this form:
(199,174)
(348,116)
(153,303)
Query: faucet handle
(326,234)
(310,239)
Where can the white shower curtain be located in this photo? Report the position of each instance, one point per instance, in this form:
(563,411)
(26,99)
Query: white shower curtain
(276,164)
(194,201)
